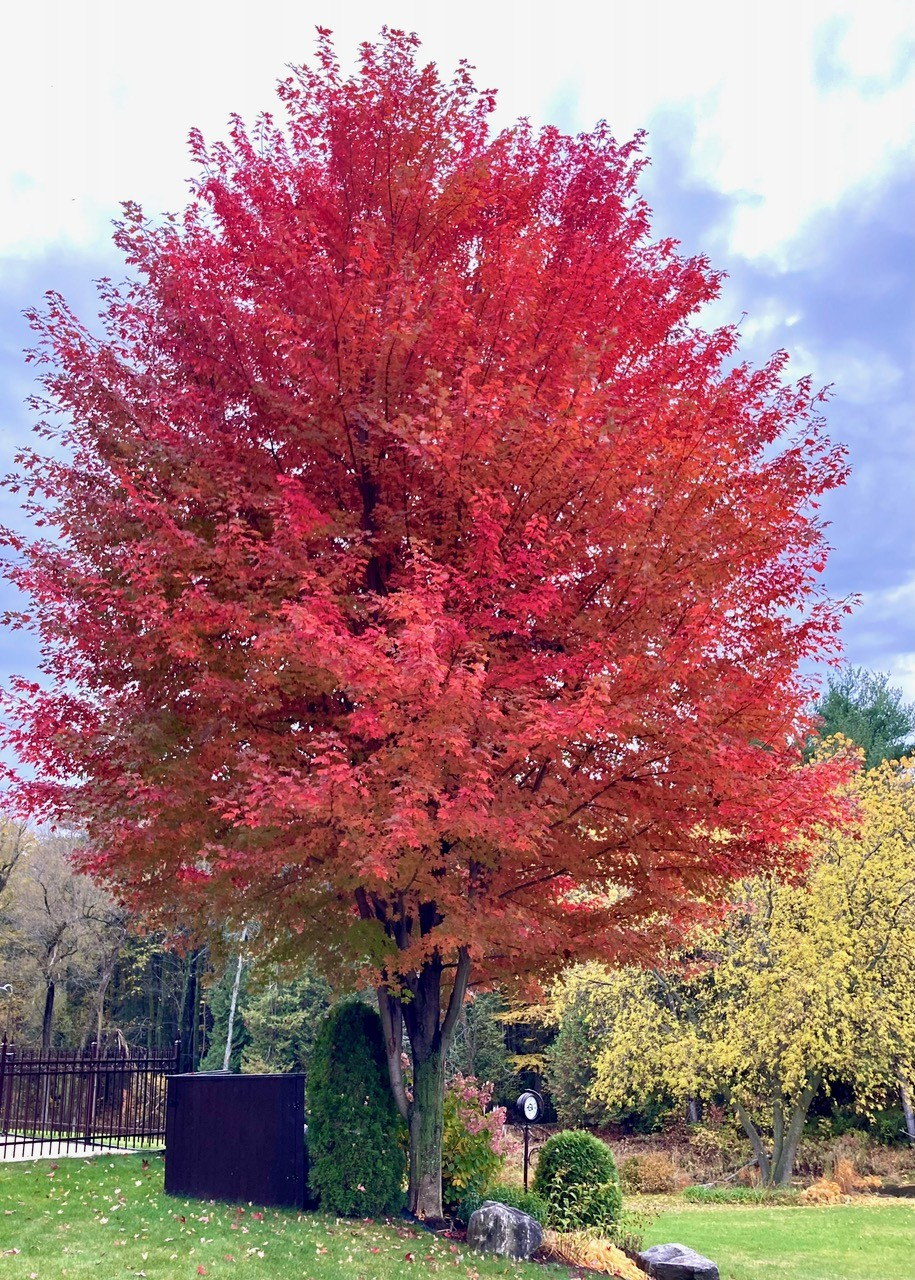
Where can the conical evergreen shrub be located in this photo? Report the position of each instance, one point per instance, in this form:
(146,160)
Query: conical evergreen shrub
(356,1137)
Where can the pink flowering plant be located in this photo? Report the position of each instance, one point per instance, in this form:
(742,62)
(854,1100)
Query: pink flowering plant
(474,1141)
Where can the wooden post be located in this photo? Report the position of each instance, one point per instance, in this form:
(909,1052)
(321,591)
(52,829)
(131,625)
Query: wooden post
(91,1092)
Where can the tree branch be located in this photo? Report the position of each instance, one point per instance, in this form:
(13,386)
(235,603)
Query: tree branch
(392,1027)
(756,1142)
(458,991)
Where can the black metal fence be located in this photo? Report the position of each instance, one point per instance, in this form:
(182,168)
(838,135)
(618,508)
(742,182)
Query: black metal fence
(52,1101)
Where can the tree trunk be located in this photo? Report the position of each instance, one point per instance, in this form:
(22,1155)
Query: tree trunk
(100,993)
(789,1136)
(907,1111)
(422,1016)
(48,1017)
(429,1035)
(776,1170)
(149,977)
(425,1188)
(190,1010)
(230,1029)
(756,1142)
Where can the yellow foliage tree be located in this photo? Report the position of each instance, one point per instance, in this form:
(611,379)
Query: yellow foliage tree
(809,981)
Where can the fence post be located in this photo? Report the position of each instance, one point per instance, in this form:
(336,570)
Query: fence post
(2,1073)
(91,1092)
(177,1066)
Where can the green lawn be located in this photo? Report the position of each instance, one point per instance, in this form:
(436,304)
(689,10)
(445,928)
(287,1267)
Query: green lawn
(871,1240)
(108,1218)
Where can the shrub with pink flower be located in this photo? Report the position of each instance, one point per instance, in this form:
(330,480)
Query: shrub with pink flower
(473,1140)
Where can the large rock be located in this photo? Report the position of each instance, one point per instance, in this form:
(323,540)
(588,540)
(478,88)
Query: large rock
(495,1228)
(676,1262)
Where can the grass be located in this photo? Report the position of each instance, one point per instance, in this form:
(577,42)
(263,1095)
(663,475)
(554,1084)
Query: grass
(109,1217)
(869,1239)
(741,1195)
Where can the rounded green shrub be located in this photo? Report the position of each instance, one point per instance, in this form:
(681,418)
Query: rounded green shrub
(504,1193)
(577,1178)
(356,1137)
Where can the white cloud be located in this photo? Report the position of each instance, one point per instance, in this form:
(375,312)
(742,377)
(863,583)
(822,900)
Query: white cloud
(889,600)
(96,96)
(883,633)
(902,673)
(858,374)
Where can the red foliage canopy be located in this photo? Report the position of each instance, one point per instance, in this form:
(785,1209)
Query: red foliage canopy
(416,549)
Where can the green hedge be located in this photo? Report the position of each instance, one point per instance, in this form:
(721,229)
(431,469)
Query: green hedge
(504,1193)
(356,1137)
(577,1177)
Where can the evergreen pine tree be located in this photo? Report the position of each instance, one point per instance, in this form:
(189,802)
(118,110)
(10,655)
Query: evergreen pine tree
(865,707)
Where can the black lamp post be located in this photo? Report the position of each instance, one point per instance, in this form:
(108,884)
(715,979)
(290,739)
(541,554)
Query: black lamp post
(530,1105)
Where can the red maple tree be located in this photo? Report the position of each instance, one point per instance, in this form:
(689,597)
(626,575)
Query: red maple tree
(426,584)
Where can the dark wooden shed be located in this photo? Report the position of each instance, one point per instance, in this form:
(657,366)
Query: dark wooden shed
(236,1138)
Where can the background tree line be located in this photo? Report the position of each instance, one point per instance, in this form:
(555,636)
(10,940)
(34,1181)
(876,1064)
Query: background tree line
(799,1005)
(72,970)
(799,1002)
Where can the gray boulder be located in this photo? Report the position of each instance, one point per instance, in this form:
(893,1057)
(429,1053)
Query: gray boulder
(676,1262)
(495,1228)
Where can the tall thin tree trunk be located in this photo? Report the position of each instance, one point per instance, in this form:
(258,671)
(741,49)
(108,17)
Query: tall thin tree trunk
(422,1015)
(193,1011)
(778,1135)
(149,977)
(100,993)
(157,1003)
(233,1004)
(47,1020)
(189,1019)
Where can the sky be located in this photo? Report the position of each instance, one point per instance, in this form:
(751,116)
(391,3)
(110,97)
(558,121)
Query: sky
(782,140)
